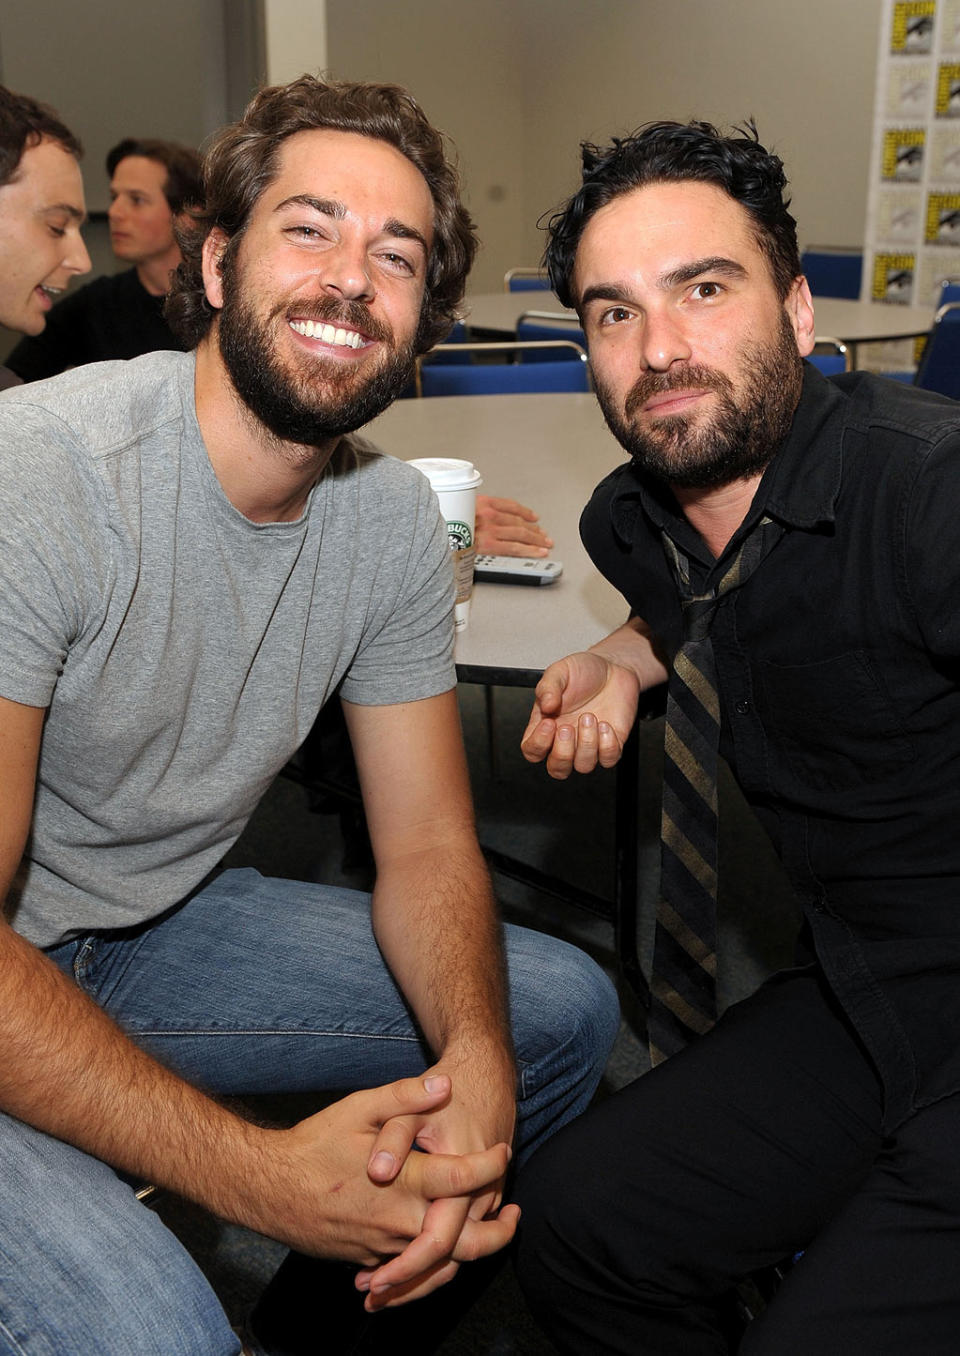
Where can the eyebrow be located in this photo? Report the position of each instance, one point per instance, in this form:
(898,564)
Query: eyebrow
(676,277)
(337,211)
(73,212)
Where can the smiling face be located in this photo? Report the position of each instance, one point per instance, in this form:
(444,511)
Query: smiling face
(141,223)
(318,308)
(41,211)
(695,357)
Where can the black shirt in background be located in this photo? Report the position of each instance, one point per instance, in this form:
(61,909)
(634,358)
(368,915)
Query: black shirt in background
(838,665)
(112,317)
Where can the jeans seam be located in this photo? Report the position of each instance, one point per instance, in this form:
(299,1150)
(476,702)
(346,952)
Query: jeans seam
(7,1333)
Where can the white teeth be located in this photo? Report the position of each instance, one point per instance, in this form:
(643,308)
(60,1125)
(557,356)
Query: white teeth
(328,333)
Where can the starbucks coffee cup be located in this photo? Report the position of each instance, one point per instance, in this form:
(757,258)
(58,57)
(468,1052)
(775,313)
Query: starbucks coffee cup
(455,484)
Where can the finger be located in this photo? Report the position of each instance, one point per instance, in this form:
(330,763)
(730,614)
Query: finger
(393,1296)
(439,1176)
(511,506)
(588,739)
(561,756)
(405,1097)
(391,1147)
(433,1247)
(550,689)
(492,545)
(480,1238)
(538,738)
(418,1261)
(609,748)
(485,1203)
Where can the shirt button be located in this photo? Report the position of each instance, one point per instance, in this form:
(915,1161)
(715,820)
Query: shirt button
(742,707)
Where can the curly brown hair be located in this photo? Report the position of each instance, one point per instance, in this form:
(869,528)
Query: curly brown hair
(242,161)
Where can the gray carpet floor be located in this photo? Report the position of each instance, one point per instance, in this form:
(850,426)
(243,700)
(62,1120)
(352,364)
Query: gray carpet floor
(566,829)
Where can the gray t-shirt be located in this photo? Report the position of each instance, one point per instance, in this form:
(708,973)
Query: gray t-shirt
(184,651)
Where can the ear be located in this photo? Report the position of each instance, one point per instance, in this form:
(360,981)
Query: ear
(799,309)
(213,248)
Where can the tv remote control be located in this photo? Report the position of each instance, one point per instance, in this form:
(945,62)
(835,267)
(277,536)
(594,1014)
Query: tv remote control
(516,570)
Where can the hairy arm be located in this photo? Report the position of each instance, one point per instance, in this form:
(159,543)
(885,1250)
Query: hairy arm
(435,921)
(67,1069)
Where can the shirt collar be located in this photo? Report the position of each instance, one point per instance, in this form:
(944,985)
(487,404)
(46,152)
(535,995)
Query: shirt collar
(798,488)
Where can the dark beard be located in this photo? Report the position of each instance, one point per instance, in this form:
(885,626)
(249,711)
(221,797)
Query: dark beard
(319,401)
(738,440)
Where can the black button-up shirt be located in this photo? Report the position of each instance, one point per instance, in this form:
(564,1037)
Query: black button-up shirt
(838,664)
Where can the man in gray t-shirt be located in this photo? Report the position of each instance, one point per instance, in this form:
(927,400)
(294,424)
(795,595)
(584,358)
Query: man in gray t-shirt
(196,553)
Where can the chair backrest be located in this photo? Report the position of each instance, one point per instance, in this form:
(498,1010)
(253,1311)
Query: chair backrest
(832,272)
(949,291)
(830,363)
(511,377)
(526,280)
(539,325)
(460,353)
(939,368)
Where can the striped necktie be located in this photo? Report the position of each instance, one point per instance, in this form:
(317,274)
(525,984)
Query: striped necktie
(683,991)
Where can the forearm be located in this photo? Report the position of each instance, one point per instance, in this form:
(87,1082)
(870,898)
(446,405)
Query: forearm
(436,923)
(634,647)
(67,1069)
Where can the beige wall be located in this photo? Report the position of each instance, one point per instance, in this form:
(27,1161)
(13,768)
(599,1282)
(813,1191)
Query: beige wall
(518,86)
(464,63)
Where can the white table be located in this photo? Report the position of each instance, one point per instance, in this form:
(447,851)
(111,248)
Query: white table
(548,451)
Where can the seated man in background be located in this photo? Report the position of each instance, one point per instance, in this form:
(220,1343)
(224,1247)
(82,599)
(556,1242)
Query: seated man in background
(121,316)
(41,211)
(788,547)
(195,555)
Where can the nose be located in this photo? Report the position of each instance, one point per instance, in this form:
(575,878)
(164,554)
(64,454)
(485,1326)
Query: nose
(113,212)
(76,258)
(344,272)
(663,341)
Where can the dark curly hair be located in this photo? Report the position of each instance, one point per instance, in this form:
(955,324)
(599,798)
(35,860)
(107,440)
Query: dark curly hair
(242,161)
(670,152)
(24,123)
(184,183)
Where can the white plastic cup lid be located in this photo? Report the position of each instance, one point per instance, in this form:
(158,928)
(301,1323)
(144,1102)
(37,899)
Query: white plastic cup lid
(448,473)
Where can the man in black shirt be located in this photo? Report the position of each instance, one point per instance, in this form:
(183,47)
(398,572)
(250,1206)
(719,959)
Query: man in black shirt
(121,316)
(821,1115)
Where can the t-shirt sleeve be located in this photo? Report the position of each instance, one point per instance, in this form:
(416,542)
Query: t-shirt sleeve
(54,562)
(407,649)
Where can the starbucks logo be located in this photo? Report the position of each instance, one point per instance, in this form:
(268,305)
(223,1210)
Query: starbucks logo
(459,535)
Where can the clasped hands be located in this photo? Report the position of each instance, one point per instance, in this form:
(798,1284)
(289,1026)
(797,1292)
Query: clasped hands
(352,1184)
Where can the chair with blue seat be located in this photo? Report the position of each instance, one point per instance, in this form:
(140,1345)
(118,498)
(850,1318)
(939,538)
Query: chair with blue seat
(939,368)
(509,377)
(535,326)
(452,348)
(526,280)
(832,271)
(830,363)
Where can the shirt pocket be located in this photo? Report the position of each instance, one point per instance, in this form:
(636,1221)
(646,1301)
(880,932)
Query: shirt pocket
(833,721)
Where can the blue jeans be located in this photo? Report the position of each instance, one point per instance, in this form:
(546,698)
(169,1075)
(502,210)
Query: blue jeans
(251,986)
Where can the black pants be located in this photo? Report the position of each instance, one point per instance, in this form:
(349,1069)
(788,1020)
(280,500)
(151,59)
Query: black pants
(760,1140)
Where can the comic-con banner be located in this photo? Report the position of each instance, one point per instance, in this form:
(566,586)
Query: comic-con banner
(912,238)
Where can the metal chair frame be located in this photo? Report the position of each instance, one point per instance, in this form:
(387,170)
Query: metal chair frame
(840,350)
(532,276)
